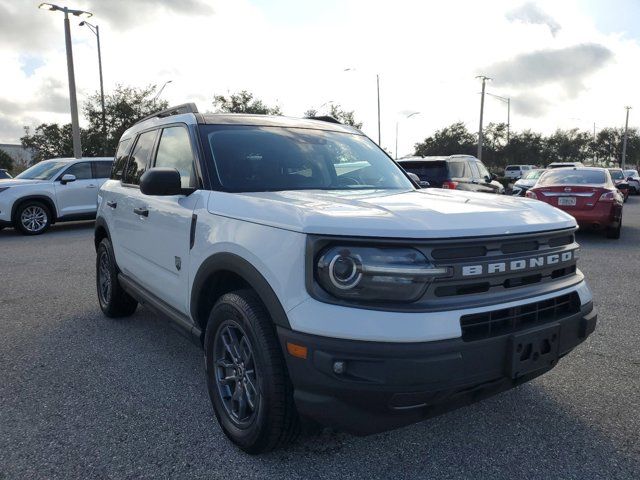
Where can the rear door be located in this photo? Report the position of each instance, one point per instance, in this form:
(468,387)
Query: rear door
(166,236)
(80,197)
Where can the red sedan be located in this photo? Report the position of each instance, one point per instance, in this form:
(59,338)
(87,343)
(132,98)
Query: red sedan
(587,193)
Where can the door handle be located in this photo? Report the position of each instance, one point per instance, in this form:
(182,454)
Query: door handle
(112,204)
(143,211)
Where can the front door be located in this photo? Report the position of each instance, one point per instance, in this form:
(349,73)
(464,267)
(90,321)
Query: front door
(167,224)
(79,197)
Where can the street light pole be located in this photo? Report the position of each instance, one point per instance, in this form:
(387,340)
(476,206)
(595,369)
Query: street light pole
(484,80)
(624,142)
(397,122)
(96,31)
(161,89)
(378,85)
(75,125)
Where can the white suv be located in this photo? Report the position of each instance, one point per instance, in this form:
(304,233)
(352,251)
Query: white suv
(323,285)
(57,190)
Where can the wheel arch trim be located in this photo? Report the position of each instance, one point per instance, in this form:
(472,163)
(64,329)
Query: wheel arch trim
(50,203)
(230,262)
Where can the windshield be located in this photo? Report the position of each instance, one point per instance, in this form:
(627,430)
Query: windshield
(257,158)
(533,174)
(42,171)
(570,176)
(617,174)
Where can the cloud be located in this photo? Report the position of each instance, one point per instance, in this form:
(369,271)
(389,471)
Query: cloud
(18,18)
(568,66)
(125,14)
(530,104)
(531,13)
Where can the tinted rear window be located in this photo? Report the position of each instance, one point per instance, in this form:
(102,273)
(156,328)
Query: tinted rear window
(429,171)
(572,177)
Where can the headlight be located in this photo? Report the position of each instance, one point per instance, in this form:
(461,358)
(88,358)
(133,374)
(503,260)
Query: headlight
(375,274)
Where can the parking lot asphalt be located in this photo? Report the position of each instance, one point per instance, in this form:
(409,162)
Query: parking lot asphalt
(83,396)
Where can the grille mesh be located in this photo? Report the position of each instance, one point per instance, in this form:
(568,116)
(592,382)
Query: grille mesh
(478,326)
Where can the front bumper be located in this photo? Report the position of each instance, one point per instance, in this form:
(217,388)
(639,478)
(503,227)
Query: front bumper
(388,385)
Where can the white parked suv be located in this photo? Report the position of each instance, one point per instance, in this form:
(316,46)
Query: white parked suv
(515,172)
(324,287)
(57,190)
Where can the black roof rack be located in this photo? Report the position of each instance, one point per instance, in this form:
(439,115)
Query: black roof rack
(326,118)
(177,110)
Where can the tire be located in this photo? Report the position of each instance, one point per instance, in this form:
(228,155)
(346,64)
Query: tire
(113,300)
(239,322)
(614,233)
(32,218)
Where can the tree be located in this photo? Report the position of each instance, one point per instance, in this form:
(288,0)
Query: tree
(449,141)
(568,146)
(527,148)
(123,107)
(243,102)
(6,162)
(347,117)
(49,140)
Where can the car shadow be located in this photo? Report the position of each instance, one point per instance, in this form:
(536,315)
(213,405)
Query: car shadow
(56,228)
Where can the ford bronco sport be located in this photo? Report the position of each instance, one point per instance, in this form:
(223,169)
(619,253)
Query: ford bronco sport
(323,285)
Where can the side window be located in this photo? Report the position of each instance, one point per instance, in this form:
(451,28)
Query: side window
(139,157)
(174,151)
(121,159)
(101,169)
(475,173)
(483,170)
(457,169)
(82,171)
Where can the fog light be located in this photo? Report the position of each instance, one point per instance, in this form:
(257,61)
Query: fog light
(339,367)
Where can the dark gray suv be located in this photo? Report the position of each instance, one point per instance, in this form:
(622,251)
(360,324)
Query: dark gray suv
(459,172)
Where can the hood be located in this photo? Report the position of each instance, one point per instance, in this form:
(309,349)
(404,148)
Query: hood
(525,183)
(428,213)
(14,182)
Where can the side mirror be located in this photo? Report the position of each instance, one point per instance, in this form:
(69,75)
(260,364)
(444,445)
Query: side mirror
(67,177)
(629,179)
(488,178)
(161,181)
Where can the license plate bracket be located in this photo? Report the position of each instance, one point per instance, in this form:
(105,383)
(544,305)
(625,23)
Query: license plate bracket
(533,350)
(567,201)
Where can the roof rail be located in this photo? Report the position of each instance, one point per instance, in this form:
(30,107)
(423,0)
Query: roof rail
(325,118)
(177,110)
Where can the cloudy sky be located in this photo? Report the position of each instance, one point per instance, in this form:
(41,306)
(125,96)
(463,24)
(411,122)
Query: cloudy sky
(564,64)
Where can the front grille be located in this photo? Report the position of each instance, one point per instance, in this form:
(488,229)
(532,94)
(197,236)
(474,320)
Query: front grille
(478,326)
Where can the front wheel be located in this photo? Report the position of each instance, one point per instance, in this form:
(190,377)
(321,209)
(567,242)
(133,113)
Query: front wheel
(114,301)
(247,377)
(32,218)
